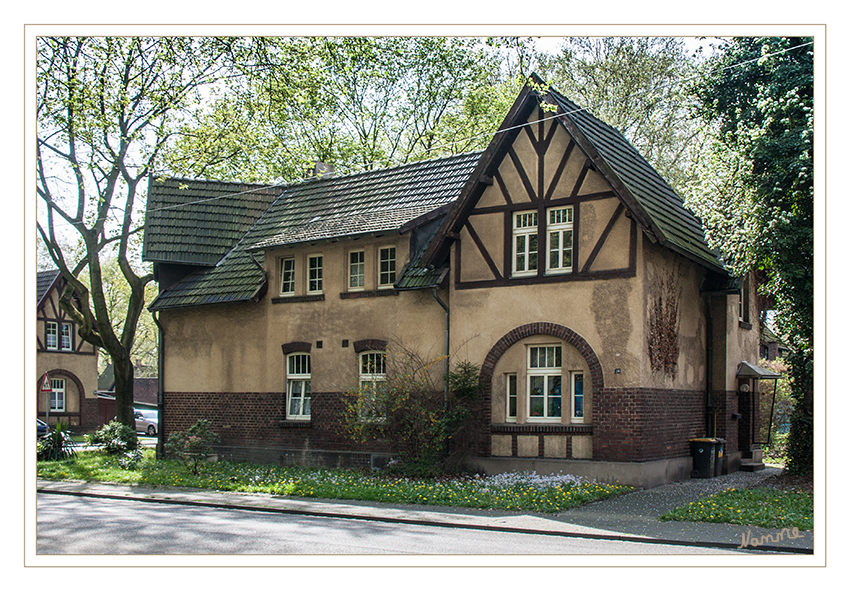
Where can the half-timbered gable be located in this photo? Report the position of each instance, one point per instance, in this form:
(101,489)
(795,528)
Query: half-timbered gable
(69,361)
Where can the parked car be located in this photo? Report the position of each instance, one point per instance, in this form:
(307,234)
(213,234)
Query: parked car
(147,422)
(41,428)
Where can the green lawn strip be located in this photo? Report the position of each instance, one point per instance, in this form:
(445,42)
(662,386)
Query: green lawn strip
(519,493)
(761,507)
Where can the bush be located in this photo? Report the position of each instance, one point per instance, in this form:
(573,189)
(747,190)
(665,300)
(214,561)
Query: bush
(56,445)
(192,447)
(428,429)
(115,438)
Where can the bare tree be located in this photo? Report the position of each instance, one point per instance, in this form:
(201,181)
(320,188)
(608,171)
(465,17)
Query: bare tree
(105,109)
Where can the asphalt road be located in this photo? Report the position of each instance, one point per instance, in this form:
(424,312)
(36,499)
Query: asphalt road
(82,525)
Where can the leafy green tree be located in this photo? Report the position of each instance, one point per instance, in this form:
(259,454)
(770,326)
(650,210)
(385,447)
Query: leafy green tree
(635,85)
(105,108)
(759,99)
(356,103)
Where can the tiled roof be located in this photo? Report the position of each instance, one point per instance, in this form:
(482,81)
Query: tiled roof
(44,280)
(679,228)
(322,209)
(198,222)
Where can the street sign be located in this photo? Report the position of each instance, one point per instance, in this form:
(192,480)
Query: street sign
(45,384)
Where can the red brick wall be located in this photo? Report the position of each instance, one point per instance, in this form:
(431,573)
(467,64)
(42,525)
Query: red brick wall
(258,419)
(643,424)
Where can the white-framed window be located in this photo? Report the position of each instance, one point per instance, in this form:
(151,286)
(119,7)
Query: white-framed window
(577,386)
(525,243)
(511,391)
(386,273)
(544,382)
(356,270)
(287,276)
(559,240)
(51,335)
(57,394)
(314,274)
(298,386)
(65,337)
(373,373)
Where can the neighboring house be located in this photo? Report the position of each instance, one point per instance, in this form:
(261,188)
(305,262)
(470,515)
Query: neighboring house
(144,395)
(558,260)
(70,362)
(772,346)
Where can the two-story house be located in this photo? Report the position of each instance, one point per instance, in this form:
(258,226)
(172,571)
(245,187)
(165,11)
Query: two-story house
(558,260)
(70,362)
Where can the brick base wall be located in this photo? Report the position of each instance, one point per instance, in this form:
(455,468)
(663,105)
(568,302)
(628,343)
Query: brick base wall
(644,424)
(247,420)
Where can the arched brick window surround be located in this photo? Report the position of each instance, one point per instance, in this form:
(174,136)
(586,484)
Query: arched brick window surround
(370,345)
(540,328)
(296,347)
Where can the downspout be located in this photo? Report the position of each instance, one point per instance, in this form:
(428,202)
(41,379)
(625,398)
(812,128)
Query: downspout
(710,426)
(446,374)
(160,383)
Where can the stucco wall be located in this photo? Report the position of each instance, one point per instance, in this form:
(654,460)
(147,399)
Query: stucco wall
(237,347)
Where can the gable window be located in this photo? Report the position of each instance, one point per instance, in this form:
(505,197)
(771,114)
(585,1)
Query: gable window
(287,276)
(57,394)
(386,276)
(65,336)
(544,382)
(51,333)
(373,374)
(525,243)
(560,240)
(298,386)
(314,274)
(356,270)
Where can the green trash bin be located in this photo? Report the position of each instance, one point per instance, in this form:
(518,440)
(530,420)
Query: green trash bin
(702,451)
(718,456)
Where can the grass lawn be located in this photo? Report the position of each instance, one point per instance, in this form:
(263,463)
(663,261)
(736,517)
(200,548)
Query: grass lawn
(512,492)
(761,506)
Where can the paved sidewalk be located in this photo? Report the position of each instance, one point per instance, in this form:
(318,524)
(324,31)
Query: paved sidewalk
(629,517)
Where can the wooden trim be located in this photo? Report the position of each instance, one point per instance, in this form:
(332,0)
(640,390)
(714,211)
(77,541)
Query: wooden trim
(534,280)
(588,165)
(553,203)
(534,142)
(565,157)
(603,238)
(504,189)
(522,174)
(483,250)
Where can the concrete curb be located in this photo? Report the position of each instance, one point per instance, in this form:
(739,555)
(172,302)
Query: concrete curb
(435,517)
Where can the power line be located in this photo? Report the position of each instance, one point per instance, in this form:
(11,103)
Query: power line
(363,166)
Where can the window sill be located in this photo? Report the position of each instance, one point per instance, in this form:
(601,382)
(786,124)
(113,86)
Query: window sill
(377,293)
(540,428)
(298,299)
(295,423)
(745,325)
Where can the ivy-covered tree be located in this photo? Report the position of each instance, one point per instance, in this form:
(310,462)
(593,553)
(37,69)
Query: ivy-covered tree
(759,101)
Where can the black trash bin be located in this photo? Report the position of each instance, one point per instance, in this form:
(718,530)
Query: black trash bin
(702,451)
(718,456)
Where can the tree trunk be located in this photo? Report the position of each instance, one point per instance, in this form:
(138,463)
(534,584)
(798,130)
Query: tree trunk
(124,372)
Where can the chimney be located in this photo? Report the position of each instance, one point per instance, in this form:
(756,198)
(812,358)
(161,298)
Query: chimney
(320,170)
